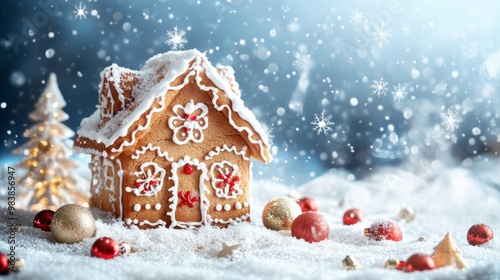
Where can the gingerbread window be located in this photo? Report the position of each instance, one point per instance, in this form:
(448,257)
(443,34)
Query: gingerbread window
(226,179)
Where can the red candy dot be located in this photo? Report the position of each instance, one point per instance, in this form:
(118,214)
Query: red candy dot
(188,169)
(105,248)
(353,216)
(42,220)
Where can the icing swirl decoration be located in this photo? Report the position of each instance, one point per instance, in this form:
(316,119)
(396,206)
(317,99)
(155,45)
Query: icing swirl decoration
(226,179)
(149,181)
(188,122)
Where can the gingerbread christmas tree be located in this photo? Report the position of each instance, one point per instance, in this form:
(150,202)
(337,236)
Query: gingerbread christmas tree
(50,180)
(447,253)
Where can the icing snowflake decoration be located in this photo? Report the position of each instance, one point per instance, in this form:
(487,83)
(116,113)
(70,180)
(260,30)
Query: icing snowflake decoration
(176,39)
(188,122)
(322,123)
(226,179)
(80,11)
(149,181)
(379,87)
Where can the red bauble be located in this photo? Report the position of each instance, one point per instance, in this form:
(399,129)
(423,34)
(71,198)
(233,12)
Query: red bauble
(308,204)
(105,248)
(4,264)
(310,226)
(353,216)
(42,220)
(479,234)
(385,230)
(419,262)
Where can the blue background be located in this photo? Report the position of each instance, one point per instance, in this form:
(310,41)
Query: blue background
(446,59)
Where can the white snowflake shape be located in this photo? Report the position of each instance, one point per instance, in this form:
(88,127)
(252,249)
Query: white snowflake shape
(80,11)
(450,119)
(356,17)
(176,38)
(381,34)
(379,87)
(322,123)
(406,29)
(399,92)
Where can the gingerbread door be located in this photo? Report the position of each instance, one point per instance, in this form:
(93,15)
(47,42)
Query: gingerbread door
(188,202)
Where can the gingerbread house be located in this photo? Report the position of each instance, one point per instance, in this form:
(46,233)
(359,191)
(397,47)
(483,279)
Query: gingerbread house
(171,144)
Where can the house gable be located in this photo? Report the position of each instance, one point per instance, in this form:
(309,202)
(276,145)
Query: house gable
(161,75)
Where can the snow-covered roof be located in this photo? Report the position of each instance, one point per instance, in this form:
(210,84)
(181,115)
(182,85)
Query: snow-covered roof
(108,135)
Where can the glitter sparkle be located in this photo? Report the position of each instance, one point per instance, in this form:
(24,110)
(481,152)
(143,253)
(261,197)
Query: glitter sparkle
(399,92)
(322,123)
(176,39)
(379,87)
(381,34)
(80,11)
(450,120)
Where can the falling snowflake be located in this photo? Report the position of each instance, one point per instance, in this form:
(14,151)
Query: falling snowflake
(406,29)
(356,17)
(176,38)
(80,11)
(322,123)
(399,92)
(379,86)
(381,34)
(450,119)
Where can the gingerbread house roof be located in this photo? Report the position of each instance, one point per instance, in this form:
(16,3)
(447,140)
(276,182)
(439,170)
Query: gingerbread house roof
(134,96)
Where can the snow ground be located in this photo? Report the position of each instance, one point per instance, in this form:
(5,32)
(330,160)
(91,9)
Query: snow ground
(452,201)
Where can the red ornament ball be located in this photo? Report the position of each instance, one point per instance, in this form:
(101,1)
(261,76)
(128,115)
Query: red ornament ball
(4,264)
(42,220)
(385,230)
(105,248)
(479,234)
(419,262)
(308,204)
(310,226)
(353,216)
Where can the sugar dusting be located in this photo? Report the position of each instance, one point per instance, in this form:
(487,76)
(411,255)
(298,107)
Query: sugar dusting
(447,203)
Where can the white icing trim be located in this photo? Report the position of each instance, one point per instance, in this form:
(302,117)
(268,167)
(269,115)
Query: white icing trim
(174,200)
(191,128)
(230,221)
(147,177)
(157,206)
(129,222)
(120,186)
(150,147)
(227,207)
(230,175)
(237,205)
(124,131)
(225,148)
(147,206)
(218,207)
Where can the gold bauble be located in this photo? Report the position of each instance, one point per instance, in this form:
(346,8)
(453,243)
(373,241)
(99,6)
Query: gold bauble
(280,212)
(72,223)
